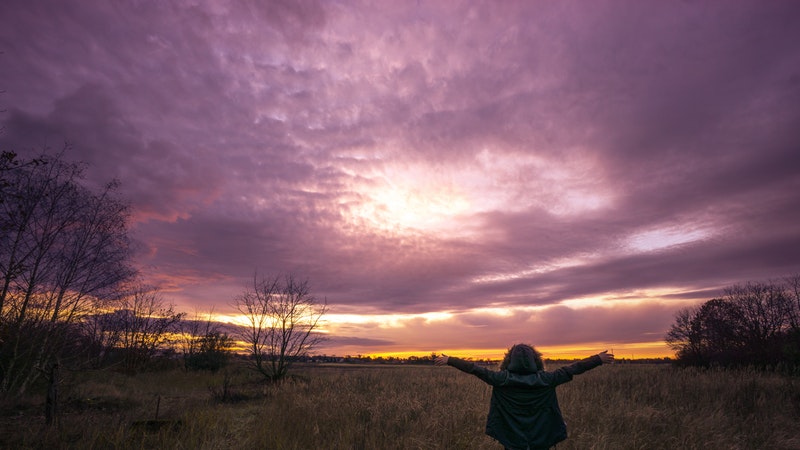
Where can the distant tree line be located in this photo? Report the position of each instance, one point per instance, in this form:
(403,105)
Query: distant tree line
(752,324)
(367,359)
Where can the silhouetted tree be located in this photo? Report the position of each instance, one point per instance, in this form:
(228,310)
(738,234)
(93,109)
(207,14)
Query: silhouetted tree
(792,349)
(708,334)
(212,353)
(753,324)
(62,246)
(100,333)
(205,346)
(764,311)
(145,324)
(281,318)
(792,284)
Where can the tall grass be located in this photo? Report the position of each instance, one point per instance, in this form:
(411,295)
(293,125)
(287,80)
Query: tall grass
(408,407)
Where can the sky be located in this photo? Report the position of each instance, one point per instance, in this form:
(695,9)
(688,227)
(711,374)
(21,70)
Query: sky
(449,176)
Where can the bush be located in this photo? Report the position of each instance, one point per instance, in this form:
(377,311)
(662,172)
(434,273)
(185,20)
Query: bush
(213,352)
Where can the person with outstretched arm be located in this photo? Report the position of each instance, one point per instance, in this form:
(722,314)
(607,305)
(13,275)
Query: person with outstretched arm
(524,412)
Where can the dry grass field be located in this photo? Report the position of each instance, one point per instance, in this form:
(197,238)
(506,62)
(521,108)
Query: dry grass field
(404,407)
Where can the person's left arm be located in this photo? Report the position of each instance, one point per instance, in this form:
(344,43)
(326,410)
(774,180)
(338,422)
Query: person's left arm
(564,374)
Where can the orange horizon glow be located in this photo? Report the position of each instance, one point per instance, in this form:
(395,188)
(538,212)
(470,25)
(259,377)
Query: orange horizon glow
(642,350)
(415,335)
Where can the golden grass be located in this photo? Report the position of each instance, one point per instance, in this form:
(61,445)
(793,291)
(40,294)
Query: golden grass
(408,407)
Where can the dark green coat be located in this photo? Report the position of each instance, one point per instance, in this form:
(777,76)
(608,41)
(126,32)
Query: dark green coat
(524,411)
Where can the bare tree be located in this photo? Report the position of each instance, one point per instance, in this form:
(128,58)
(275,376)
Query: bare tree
(793,292)
(683,336)
(764,314)
(62,246)
(191,330)
(205,346)
(145,323)
(99,334)
(752,324)
(282,317)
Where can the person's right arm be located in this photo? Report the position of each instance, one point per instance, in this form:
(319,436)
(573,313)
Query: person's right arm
(483,373)
(460,364)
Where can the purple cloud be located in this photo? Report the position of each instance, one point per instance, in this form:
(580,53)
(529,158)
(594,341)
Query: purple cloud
(413,158)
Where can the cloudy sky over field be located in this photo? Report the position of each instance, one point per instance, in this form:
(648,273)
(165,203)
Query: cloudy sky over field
(448,175)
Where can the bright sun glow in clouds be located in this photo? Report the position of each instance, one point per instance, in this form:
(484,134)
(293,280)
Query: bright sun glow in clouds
(415,200)
(409,207)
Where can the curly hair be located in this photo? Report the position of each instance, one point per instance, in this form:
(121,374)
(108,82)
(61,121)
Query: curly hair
(522,352)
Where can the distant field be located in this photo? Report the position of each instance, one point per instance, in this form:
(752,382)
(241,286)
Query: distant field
(406,407)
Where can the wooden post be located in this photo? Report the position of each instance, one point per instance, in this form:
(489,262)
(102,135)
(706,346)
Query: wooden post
(51,402)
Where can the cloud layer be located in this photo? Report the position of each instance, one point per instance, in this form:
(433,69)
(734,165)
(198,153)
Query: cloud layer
(578,170)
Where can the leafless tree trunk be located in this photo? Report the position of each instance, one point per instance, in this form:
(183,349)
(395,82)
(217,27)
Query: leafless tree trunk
(51,401)
(282,317)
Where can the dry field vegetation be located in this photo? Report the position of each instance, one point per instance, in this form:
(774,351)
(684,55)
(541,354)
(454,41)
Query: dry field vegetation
(405,407)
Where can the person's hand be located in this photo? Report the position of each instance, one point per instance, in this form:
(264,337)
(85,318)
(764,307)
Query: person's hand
(606,357)
(441,360)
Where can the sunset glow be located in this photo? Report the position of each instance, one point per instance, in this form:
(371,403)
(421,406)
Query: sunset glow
(411,207)
(448,176)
